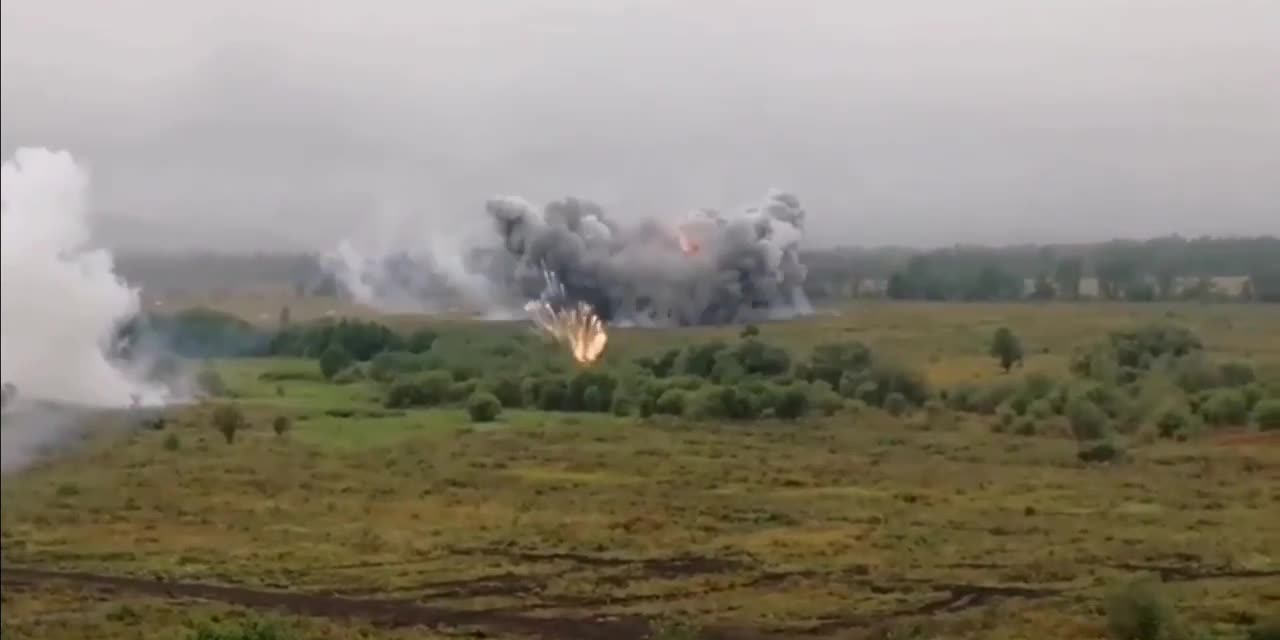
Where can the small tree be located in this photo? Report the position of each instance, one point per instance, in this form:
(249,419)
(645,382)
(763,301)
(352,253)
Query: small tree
(228,419)
(333,360)
(483,406)
(1006,348)
(749,331)
(281,425)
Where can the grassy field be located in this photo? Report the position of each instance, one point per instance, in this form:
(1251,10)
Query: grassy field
(365,522)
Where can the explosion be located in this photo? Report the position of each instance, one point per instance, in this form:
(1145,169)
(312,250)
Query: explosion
(577,326)
(709,270)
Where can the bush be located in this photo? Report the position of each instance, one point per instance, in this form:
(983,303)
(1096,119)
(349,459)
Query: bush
(483,407)
(281,425)
(1137,611)
(423,390)
(1006,348)
(1088,422)
(793,403)
(461,391)
(553,394)
(1225,407)
(1266,414)
(1236,374)
(250,630)
(1195,373)
(825,399)
(830,361)
(420,341)
(1099,452)
(623,406)
(896,404)
(389,365)
(349,375)
(1025,427)
(671,402)
(1041,409)
(989,398)
(210,382)
(172,443)
(506,389)
(228,419)
(334,359)
(1173,421)
(1268,629)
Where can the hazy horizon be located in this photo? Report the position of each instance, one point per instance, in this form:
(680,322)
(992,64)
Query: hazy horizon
(287,125)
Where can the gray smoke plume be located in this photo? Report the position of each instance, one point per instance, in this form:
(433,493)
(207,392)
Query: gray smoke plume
(711,269)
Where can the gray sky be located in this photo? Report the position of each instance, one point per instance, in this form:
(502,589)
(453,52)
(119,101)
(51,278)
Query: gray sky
(294,122)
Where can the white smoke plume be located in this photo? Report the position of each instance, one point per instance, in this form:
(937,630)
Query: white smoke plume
(61,304)
(400,269)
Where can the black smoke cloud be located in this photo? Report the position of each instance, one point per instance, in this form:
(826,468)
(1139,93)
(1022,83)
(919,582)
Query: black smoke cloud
(710,269)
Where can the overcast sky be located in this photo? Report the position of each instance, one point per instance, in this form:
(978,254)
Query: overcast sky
(295,122)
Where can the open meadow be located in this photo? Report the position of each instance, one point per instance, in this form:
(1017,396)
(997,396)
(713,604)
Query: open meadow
(906,488)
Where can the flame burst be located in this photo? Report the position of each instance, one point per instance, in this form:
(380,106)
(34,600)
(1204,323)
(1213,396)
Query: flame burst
(578,328)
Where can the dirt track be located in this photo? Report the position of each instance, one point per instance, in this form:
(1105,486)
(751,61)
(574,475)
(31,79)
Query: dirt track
(553,622)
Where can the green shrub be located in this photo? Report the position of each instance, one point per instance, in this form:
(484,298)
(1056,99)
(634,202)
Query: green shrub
(1103,451)
(896,404)
(553,394)
(1025,427)
(594,399)
(623,405)
(507,389)
(1253,393)
(461,391)
(422,390)
(1225,407)
(583,382)
(349,375)
(1236,374)
(483,406)
(1041,409)
(990,397)
(825,399)
(334,359)
(172,443)
(210,382)
(1088,422)
(389,365)
(793,403)
(1195,373)
(420,341)
(1138,611)
(248,630)
(1266,414)
(831,361)
(1173,421)
(1268,629)
(671,402)
(281,425)
(228,419)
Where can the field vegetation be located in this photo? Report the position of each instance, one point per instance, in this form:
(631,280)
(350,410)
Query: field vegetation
(906,470)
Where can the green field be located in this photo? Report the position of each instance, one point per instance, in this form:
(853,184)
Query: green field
(364,521)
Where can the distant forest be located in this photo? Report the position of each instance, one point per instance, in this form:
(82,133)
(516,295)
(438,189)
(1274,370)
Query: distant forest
(1166,268)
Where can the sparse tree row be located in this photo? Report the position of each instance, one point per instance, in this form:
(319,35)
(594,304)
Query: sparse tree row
(1154,381)
(1246,269)
(1167,268)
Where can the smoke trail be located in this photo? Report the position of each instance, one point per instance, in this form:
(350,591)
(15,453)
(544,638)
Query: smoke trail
(60,303)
